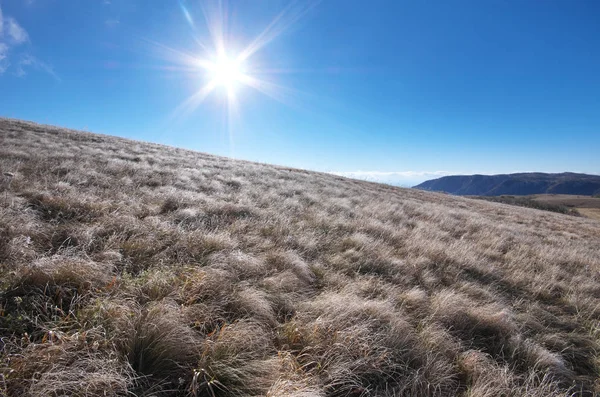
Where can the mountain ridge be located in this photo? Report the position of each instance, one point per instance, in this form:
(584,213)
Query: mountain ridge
(523,183)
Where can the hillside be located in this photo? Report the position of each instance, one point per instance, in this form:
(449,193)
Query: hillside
(134,269)
(515,184)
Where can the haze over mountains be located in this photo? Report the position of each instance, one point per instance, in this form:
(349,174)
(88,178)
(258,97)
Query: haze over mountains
(515,184)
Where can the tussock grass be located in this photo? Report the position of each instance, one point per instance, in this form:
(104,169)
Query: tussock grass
(161,347)
(67,367)
(136,269)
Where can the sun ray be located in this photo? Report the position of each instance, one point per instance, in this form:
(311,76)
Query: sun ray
(232,114)
(274,91)
(187,14)
(174,55)
(192,103)
(215,18)
(286,18)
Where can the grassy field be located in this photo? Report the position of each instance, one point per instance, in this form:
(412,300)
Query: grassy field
(584,205)
(593,213)
(530,202)
(133,269)
(568,200)
(576,205)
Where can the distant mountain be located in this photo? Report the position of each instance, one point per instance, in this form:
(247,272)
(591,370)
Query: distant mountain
(515,184)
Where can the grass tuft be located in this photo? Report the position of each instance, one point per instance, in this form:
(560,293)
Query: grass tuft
(162,350)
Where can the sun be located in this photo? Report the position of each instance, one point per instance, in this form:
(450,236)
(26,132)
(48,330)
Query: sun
(226,72)
(221,68)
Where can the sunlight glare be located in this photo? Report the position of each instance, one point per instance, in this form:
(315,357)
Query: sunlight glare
(226,72)
(225,69)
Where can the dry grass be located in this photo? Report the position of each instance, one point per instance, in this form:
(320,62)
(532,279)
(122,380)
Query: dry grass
(593,213)
(568,200)
(136,269)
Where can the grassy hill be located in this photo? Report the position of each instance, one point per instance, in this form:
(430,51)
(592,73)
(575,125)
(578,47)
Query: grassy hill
(133,269)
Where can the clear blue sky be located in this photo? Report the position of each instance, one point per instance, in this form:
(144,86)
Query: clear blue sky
(398,90)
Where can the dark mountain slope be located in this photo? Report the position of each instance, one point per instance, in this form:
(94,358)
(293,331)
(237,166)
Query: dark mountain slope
(515,184)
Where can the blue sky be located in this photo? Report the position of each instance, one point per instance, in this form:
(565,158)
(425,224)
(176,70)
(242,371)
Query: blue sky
(399,91)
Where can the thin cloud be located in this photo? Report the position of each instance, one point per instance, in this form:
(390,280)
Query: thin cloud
(13,36)
(111,23)
(16,32)
(28,61)
(3,57)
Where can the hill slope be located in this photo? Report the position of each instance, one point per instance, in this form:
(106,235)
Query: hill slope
(133,269)
(515,184)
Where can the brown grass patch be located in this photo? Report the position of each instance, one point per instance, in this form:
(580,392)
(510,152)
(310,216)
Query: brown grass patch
(593,213)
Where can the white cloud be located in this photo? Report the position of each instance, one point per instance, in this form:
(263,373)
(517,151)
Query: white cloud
(16,32)
(28,61)
(401,178)
(3,57)
(13,36)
